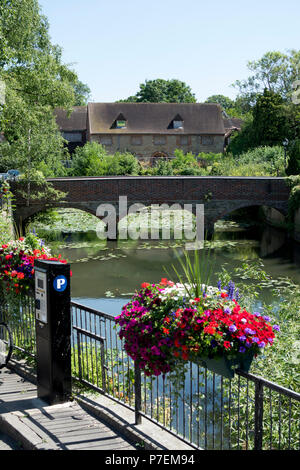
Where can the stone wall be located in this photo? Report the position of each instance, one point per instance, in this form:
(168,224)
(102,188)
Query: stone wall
(297,225)
(272,216)
(277,219)
(145,146)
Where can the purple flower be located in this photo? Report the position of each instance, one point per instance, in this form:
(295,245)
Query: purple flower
(276,327)
(232,328)
(155,351)
(227,310)
(255,339)
(242,349)
(265,317)
(242,338)
(248,331)
(219,285)
(261,344)
(230,290)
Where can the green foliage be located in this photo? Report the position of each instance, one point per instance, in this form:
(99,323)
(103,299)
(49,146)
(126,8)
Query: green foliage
(93,160)
(36,82)
(294,199)
(270,123)
(123,164)
(260,161)
(194,272)
(88,160)
(34,187)
(293,167)
(275,71)
(269,119)
(225,102)
(163,91)
(163,168)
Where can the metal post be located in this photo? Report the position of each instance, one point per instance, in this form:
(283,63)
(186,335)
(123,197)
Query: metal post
(138,393)
(53,330)
(259,410)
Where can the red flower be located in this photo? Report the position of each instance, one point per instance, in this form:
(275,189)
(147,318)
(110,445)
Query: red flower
(145,284)
(223,295)
(226,344)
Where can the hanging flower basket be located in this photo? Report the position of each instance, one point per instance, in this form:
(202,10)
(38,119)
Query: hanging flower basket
(226,367)
(162,327)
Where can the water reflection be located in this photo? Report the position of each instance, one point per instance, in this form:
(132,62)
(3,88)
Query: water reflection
(105,271)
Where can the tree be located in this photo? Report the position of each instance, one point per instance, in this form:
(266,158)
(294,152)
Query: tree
(82,93)
(225,102)
(36,81)
(275,71)
(163,91)
(293,167)
(269,119)
(268,124)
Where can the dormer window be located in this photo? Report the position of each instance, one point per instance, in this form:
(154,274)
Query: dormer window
(177,123)
(120,122)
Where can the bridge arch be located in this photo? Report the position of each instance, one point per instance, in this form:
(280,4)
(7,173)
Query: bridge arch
(28,214)
(223,212)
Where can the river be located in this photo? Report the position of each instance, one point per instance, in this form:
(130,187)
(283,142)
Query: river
(105,274)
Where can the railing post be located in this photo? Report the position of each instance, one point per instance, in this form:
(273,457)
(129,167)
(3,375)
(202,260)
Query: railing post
(137,392)
(259,410)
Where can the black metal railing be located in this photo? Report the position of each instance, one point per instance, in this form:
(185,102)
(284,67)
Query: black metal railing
(19,313)
(208,411)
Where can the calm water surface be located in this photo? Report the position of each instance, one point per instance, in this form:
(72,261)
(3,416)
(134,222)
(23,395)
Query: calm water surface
(105,274)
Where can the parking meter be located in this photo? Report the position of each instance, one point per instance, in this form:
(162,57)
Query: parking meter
(53,330)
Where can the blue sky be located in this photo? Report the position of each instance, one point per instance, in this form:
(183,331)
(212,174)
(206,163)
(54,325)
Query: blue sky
(116,45)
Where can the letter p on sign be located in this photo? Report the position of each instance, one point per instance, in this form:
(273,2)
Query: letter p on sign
(60,283)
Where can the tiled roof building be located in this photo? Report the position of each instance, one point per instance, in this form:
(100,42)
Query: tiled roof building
(147,129)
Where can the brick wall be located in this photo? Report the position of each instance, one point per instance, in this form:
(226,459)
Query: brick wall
(144,146)
(220,195)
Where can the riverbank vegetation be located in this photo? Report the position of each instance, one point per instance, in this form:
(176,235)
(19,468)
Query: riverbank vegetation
(94,160)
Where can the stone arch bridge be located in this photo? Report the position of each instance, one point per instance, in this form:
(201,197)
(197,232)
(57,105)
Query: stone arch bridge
(219,195)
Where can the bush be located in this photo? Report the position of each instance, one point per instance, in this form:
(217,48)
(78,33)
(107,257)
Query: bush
(163,168)
(93,160)
(123,164)
(89,160)
(293,167)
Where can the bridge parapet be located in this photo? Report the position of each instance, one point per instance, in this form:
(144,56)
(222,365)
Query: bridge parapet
(220,195)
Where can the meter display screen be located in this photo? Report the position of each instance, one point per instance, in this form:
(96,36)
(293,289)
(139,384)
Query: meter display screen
(41,296)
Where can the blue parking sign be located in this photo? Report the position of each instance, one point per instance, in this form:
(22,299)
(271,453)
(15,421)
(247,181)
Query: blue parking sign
(60,283)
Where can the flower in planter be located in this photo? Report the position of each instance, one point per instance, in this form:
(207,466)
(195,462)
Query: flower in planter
(17,262)
(159,326)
